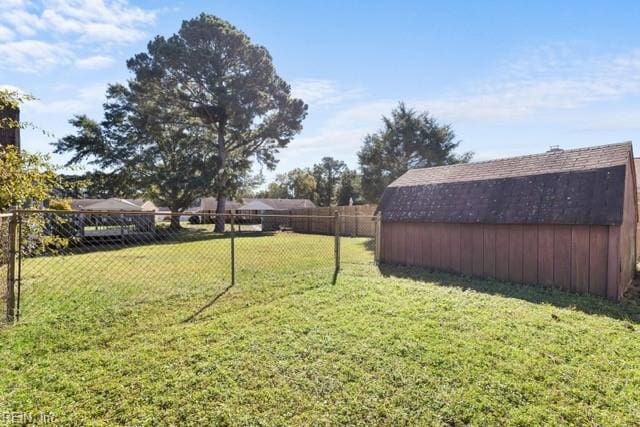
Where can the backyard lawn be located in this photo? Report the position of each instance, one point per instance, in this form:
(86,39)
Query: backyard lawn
(150,335)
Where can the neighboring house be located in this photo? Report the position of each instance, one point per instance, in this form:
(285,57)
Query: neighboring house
(113,204)
(565,218)
(209,204)
(272,213)
(94,222)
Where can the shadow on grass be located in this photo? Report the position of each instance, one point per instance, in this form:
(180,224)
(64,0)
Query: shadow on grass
(209,304)
(628,309)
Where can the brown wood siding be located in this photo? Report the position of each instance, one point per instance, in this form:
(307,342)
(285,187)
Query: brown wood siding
(489,248)
(578,258)
(530,255)
(562,257)
(598,248)
(628,230)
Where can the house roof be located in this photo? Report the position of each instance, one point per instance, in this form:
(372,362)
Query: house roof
(255,205)
(283,204)
(115,204)
(581,186)
(210,204)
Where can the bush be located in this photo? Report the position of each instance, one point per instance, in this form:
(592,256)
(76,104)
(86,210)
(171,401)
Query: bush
(194,219)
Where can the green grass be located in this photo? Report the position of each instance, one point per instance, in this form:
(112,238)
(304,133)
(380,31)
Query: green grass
(104,341)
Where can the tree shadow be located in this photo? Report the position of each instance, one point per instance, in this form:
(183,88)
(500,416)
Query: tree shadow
(208,304)
(627,310)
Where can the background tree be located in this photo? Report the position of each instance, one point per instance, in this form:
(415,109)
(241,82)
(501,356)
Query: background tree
(230,85)
(407,140)
(327,175)
(349,188)
(150,146)
(295,184)
(97,185)
(25,179)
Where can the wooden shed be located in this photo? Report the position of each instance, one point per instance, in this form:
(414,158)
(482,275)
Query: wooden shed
(565,219)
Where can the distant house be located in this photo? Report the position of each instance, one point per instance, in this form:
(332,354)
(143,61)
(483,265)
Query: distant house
(564,218)
(114,216)
(271,213)
(209,205)
(113,204)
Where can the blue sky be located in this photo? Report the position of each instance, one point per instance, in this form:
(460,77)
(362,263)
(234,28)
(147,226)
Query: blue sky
(510,77)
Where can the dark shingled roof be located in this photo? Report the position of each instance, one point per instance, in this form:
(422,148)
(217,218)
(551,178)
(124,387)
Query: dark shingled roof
(582,186)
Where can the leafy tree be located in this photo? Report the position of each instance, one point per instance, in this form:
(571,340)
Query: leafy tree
(151,147)
(295,184)
(327,174)
(407,140)
(217,76)
(349,188)
(10,100)
(97,185)
(25,179)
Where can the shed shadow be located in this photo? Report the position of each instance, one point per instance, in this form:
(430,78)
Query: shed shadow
(626,310)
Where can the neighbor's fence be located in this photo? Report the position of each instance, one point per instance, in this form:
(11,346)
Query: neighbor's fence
(75,265)
(354,221)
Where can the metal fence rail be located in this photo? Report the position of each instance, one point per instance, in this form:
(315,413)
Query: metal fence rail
(81,265)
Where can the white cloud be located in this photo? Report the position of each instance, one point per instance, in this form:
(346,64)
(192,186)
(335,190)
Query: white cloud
(31,56)
(95,62)
(545,83)
(98,20)
(323,92)
(5,34)
(555,85)
(78,101)
(31,32)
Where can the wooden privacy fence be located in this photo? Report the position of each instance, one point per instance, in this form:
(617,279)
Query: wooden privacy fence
(355,221)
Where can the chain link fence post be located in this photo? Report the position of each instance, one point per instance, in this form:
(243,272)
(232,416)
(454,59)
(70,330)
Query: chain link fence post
(11,268)
(336,228)
(233,250)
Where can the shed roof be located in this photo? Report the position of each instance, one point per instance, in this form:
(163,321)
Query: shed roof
(580,186)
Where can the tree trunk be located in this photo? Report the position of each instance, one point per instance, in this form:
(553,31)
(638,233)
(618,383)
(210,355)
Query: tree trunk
(174,225)
(220,219)
(222,160)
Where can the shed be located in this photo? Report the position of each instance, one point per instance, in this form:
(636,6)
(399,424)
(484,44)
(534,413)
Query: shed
(564,219)
(637,164)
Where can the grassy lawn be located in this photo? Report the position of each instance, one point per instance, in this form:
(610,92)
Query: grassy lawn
(151,335)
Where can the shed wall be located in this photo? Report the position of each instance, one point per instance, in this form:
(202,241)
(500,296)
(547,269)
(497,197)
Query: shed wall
(629,228)
(578,258)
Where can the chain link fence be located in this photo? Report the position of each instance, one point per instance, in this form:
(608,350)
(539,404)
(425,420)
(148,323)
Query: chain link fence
(90,265)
